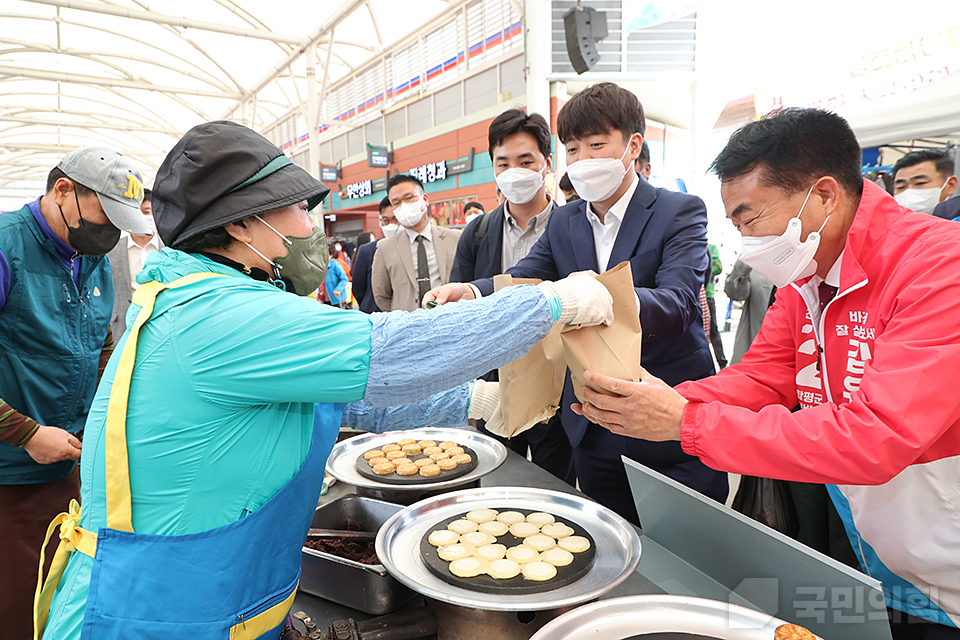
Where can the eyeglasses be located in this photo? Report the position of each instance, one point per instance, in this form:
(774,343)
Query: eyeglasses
(410,198)
(384,220)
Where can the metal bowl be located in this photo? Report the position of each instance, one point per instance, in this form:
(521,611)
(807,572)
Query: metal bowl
(342,462)
(617,543)
(635,616)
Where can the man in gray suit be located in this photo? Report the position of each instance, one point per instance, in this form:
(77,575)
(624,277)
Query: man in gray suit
(127,259)
(415,259)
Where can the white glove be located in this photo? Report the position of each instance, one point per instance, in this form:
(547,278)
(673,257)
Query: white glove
(583,300)
(484,399)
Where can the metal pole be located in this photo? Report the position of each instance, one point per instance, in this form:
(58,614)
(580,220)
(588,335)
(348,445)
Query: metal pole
(313,157)
(536,49)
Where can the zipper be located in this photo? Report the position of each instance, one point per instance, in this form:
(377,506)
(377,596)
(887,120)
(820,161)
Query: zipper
(71,407)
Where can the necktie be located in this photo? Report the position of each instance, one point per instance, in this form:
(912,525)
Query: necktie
(827,292)
(423,271)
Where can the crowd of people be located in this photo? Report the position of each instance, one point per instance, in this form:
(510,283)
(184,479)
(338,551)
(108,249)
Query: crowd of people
(841,376)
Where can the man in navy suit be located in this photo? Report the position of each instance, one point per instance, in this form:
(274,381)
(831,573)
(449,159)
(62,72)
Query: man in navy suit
(663,235)
(363,262)
(519,147)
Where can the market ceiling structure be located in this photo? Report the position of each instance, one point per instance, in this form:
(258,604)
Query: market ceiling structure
(136,75)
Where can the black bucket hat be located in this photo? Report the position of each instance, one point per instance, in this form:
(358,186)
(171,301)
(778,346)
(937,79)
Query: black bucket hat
(221,172)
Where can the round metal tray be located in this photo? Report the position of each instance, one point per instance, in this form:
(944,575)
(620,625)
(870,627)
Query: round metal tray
(341,463)
(617,544)
(634,616)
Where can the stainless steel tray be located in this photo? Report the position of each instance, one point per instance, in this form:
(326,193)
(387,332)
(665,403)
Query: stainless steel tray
(618,546)
(341,463)
(632,616)
(366,587)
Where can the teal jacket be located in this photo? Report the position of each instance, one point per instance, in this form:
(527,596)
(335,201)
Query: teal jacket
(51,334)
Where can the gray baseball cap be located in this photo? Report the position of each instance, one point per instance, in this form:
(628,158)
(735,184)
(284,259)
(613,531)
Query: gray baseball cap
(116,181)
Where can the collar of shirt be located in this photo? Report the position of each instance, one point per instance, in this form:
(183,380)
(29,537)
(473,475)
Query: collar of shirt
(832,279)
(426,233)
(617,210)
(153,242)
(536,222)
(64,250)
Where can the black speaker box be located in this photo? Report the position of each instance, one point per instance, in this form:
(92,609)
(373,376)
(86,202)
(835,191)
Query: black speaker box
(583,27)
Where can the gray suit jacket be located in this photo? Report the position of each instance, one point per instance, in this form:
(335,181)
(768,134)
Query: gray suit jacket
(122,291)
(394,278)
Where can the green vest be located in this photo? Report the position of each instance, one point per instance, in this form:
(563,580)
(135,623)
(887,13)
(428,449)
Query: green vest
(51,336)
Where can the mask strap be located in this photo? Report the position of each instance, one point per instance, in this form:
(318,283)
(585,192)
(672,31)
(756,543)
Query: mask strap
(77,198)
(282,237)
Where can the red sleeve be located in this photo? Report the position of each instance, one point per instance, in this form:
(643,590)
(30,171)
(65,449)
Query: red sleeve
(906,410)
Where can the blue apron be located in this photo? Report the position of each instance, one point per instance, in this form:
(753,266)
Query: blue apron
(237,581)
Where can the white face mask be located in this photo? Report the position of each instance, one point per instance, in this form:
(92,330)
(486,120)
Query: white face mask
(389,229)
(920,200)
(784,259)
(596,179)
(410,214)
(520,185)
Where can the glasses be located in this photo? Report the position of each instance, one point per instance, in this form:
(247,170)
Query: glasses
(410,198)
(384,220)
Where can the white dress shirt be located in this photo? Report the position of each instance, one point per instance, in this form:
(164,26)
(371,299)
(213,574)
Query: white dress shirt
(605,233)
(517,242)
(137,255)
(432,265)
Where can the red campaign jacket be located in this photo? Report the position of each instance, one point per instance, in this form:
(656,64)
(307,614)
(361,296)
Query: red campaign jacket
(890,396)
(880,402)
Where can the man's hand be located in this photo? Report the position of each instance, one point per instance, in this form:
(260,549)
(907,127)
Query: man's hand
(649,409)
(453,292)
(52,444)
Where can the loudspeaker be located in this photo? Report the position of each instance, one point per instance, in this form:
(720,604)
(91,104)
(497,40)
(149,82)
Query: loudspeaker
(583,27)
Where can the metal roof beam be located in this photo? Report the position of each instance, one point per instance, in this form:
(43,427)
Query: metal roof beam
(36,74)
(159,18)
(90,125)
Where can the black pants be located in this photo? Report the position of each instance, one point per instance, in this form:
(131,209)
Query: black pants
(549,448)
(715,340)
(903,626)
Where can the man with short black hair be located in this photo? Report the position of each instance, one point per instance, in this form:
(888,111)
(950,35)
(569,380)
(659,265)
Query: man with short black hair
(472,210)
(363,262)
(569,193)
(663,235)
(415,259)
(860,335)
(643,161)
(56,297)
(923,181)
(519,147)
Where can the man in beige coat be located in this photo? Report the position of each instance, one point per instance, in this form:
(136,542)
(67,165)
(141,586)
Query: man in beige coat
(418,257)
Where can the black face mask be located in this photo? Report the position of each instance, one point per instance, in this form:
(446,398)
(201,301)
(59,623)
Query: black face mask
(88,238)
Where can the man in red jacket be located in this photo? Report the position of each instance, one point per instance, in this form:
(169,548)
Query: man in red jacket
(863,337)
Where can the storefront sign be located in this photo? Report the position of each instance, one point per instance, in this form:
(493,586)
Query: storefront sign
(460,166)
(378,157)
(328,174)
(360,189)
(430,172)
(380,184)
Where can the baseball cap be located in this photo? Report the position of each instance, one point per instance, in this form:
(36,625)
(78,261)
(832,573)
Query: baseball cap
(220,172)
(116,181)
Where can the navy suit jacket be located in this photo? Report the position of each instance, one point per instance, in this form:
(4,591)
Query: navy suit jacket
(473,263)
(948,209)
(664,236)
(362,268)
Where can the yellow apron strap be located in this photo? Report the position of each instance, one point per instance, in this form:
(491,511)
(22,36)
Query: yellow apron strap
(119,511)
(72,538)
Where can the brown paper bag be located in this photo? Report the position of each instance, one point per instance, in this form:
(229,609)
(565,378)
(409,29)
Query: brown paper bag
(611,350)
(531,385)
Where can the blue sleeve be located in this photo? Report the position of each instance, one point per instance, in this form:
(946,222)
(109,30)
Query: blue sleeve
(669,309)
(414,355)
(4,279)
(336,281)
(447,409)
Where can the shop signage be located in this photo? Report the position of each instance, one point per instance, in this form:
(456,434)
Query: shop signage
(460,166)
(430,172)
(360,189)
(380,184)
(378,157)
(328,174)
